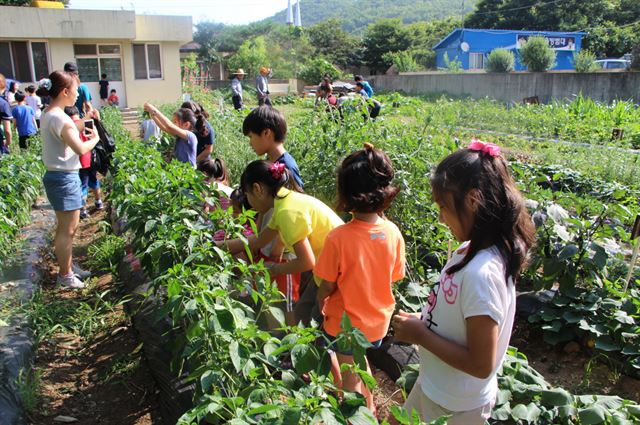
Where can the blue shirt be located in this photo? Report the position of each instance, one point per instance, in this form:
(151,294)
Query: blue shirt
(292,166)
(185,150)
(84,95)
(5,115)
(204,141)
(367,88)
(24,116)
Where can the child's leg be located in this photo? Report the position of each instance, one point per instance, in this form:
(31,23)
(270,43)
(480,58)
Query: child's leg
(351,381)
(94,184)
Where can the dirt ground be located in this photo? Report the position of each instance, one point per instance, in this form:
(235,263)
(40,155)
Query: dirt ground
(103,379)
(579,372)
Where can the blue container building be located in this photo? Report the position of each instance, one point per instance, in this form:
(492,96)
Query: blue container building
(471,46)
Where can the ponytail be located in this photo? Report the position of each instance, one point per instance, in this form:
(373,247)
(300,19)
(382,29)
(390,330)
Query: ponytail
(215,169)
(57,81)
(273,176)
(201,115)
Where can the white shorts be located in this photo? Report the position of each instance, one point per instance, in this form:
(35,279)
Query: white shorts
(430,411)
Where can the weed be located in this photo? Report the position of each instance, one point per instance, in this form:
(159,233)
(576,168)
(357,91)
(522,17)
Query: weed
(28,386)
(106,253)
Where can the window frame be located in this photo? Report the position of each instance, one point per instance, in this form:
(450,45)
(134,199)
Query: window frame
(473,55)
(146,59)
(32,67)
(99,56)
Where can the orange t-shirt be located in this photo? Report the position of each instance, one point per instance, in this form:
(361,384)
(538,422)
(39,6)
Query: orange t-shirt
(363,259)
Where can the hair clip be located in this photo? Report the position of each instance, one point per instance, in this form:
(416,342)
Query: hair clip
(45,83)
(368,146)
(491,149)
(277,169)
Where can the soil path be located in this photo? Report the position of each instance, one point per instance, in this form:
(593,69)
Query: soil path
(92,368)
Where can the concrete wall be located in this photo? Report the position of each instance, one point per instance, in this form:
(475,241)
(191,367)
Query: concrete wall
(33,22)
(513,87)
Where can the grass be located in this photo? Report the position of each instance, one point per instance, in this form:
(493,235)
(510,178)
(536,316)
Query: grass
(28,385)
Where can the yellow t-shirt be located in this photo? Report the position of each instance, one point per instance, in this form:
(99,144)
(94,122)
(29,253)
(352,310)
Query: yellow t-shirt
(297,216)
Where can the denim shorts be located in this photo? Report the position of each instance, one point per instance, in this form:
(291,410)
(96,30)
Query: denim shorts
(88,180)
(63,190)
(332,345)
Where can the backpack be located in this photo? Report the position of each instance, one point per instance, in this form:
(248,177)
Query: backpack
(103,150)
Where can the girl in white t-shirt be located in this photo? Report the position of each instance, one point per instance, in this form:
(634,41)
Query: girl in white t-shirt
(464,330)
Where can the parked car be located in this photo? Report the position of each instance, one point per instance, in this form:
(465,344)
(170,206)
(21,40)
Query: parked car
(614,63)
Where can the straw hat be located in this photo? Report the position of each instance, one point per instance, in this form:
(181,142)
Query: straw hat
(240,71)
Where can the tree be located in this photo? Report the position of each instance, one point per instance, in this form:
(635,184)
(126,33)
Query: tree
(330,41)
(251,55)
(424,36)
(314,70)
(585,61)
(537,55)
(500,60)
(386,35)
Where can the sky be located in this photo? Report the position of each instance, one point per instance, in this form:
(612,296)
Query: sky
(225,11)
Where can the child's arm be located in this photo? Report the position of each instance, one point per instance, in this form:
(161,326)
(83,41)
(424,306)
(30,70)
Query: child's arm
(165,123)
(325,289)
(477,359)
(305,260)
(235,246)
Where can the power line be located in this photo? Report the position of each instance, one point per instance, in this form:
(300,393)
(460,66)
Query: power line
(490,12)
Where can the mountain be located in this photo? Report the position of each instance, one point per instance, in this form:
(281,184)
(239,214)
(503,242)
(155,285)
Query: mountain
(357,14)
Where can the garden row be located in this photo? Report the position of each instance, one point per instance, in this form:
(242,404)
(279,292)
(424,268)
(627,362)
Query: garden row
(161,203)
(20,184)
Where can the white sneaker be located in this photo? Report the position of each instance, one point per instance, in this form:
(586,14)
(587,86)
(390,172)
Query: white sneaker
(71,281)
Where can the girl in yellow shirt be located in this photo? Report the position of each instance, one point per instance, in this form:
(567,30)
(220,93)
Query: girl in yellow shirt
(301,221)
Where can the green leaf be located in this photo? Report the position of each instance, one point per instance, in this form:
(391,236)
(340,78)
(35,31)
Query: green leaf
(291,416)
(605,343)
(277,314)
(264,409)
(362,416)
(572,317)
(304,358)
(555,397)
(592,415)
(567,252)
(528,413)
(502,414)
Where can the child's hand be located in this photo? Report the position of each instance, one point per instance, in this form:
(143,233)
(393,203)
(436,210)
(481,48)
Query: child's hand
(408,327)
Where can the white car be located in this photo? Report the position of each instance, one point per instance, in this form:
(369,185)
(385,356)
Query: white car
(614,63)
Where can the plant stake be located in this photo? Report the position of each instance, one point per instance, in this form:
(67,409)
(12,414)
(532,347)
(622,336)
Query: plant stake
(635,235)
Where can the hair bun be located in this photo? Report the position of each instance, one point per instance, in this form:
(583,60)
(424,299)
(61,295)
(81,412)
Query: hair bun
(368,146)
(45,83)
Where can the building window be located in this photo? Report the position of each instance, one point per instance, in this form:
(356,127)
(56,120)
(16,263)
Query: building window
(25,61)
(476,61)
(147,61)
(96,59)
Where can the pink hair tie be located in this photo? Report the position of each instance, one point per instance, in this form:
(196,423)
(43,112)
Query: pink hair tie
(490,149)
(277,169)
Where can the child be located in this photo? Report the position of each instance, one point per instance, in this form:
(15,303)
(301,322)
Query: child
(104,89)
(266,128)
(182,127)
(373,106)
(113,98)
(204,131)
(216,172)
(464,330)
(88,174)
(149,129)
(24,118)
(35,102)
(365,85)
(362,258)
(301,221)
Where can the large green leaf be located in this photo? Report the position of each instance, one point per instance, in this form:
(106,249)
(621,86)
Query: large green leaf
(304,357)
(592,415)
(556,397)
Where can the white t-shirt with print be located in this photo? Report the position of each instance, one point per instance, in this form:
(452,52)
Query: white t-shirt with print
(479,289)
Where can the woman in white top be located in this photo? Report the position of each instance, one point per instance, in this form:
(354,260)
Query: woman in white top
(61,146)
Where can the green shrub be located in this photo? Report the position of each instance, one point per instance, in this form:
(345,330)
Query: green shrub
(315,69)
(404,61)
(536,54)
(500,60)
(452,65)
(585,61)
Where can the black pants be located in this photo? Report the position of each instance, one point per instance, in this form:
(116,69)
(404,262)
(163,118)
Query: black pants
(23,141)
(237,102)
(307,306)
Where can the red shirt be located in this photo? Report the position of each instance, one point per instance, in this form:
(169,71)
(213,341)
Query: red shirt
(85,158)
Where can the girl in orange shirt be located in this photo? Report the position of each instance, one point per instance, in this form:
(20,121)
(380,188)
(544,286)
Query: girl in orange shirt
(361,259)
